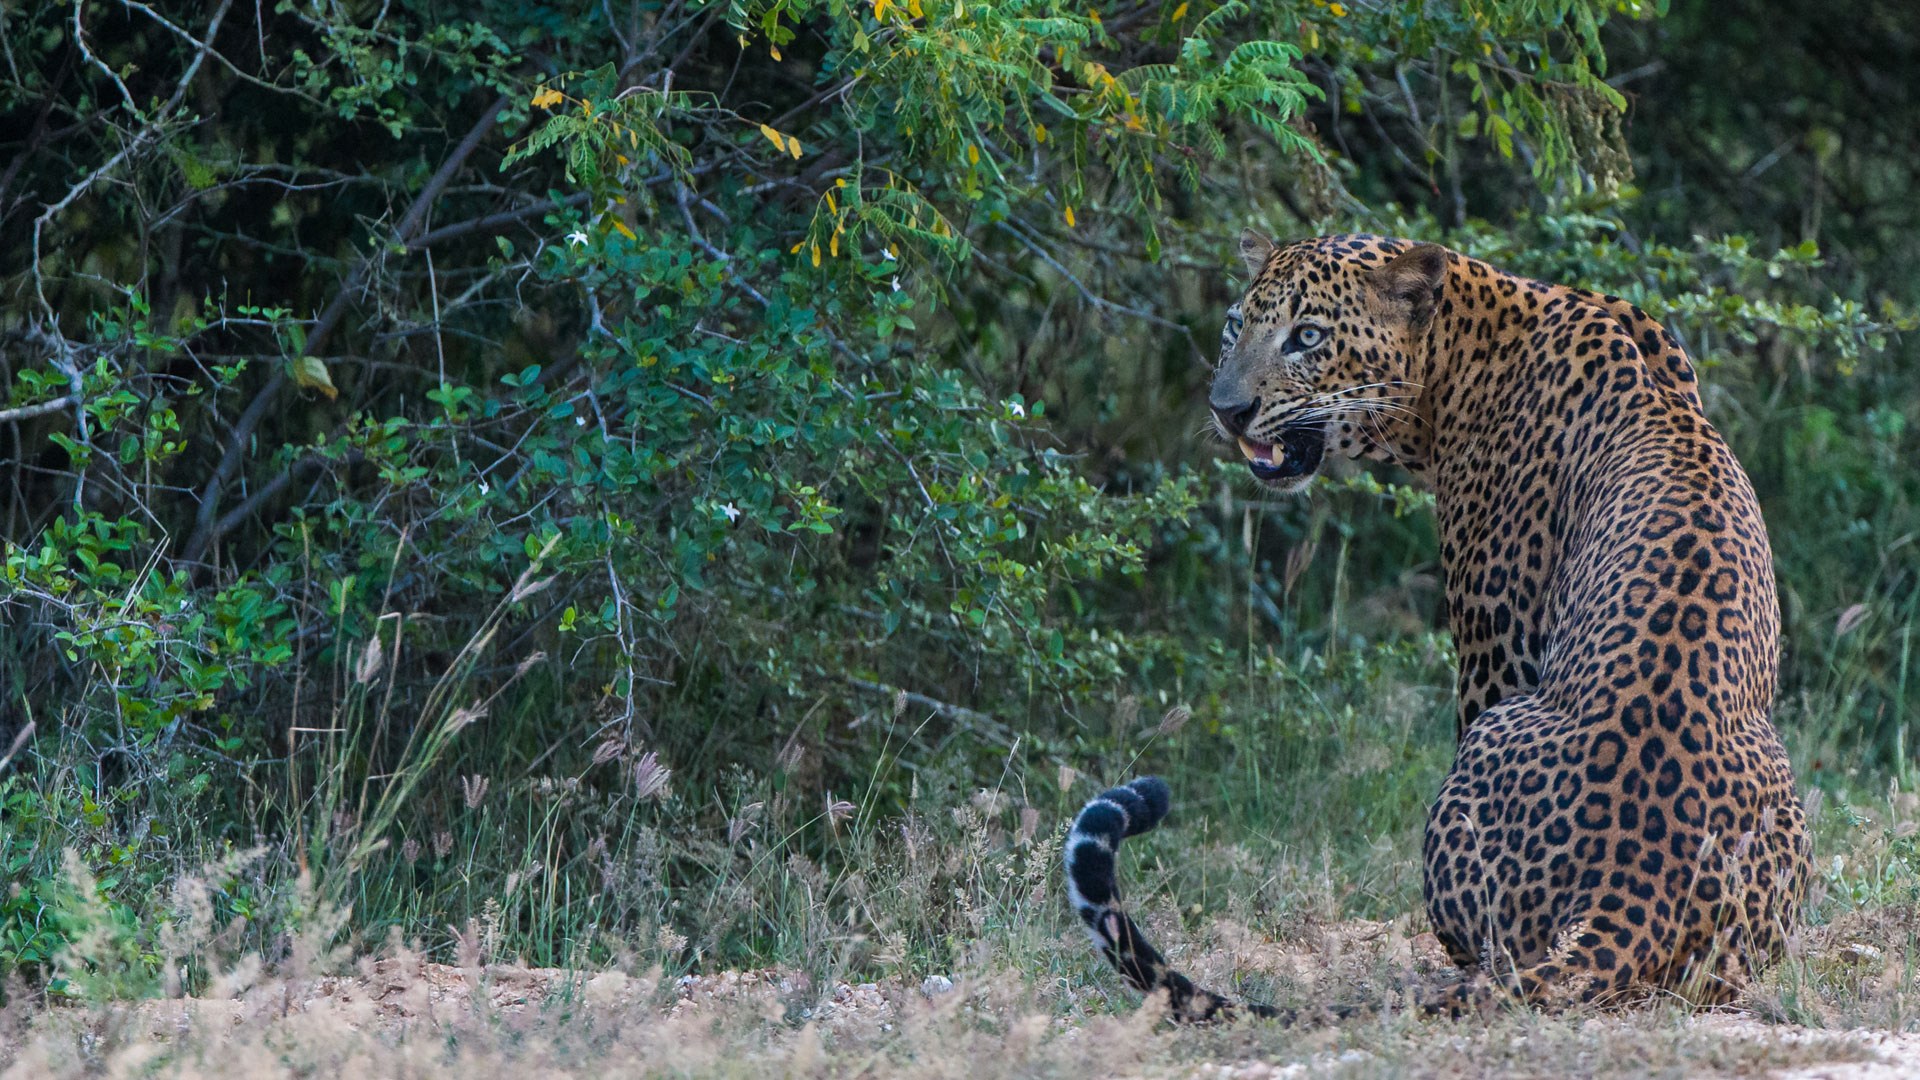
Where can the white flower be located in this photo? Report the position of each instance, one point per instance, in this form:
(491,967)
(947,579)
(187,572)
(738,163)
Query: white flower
(896,284)
(485,487)
(886,254)
(733,513)
(577,237)
(1017,409)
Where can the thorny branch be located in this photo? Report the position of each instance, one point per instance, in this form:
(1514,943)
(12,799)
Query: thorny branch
(206,523)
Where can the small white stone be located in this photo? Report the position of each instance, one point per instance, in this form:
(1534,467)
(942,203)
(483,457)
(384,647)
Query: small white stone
(605,989)
(1859,952)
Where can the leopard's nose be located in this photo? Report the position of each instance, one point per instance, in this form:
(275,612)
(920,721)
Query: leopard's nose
(1234,416)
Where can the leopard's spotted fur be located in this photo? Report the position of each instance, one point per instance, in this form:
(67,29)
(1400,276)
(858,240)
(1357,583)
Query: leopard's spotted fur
(1620,815)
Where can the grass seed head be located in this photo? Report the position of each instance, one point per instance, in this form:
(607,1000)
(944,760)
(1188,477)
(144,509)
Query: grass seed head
(650,777)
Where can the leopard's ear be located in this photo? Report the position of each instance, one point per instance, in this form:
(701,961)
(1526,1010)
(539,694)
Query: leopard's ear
(1415,278)
(1255,250)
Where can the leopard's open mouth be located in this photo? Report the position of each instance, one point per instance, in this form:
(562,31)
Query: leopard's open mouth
(1289,461)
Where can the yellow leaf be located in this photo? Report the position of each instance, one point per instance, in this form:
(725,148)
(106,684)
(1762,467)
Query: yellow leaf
(775,50)
(774,137)
(649,360)
(1069,216)
(1180,12)
(816,254)
(795,250)
(831,205)
(959,9)
(547,98)
(309,373)
(624,231)
(973,154)
(743,41)
(622,159)
(833,244)
(914,8)
(893,250)
(880,10)
(1039,133)
(1339,12)
(793,147)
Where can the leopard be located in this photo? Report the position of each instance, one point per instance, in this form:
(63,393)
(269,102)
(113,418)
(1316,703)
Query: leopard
(1620,820)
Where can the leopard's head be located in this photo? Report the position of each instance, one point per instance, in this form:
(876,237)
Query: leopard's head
(1318,355)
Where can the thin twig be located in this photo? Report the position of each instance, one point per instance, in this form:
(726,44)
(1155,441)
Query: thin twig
(946,710)
(1092,298)
(28,412)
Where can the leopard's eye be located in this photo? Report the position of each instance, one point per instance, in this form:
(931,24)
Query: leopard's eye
(1306,336)
(1230,333)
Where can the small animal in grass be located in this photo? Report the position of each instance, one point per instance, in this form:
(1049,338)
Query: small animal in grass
(1620,816)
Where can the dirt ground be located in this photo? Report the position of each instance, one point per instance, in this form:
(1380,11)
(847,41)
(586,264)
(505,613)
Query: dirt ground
(401,1015)
(406,996)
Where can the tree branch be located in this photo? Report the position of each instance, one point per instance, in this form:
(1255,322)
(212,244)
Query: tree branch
(494,221)
(28,412)
(206,525)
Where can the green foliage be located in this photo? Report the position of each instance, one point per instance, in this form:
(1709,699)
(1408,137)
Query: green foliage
(161,649)
(432,434)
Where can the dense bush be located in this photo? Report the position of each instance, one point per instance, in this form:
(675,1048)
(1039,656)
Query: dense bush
(624,435)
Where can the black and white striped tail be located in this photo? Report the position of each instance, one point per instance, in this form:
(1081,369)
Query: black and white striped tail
(1094,890)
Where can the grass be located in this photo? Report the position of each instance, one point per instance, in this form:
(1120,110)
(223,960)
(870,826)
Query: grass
(433,881)
(1002,1016)
(590,927)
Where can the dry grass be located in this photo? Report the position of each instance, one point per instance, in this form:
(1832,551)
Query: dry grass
(398,1015)
(945,951)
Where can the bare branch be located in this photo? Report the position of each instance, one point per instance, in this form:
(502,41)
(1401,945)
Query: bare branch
(206,48)
(28,412)
(207,521)
(494,221)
